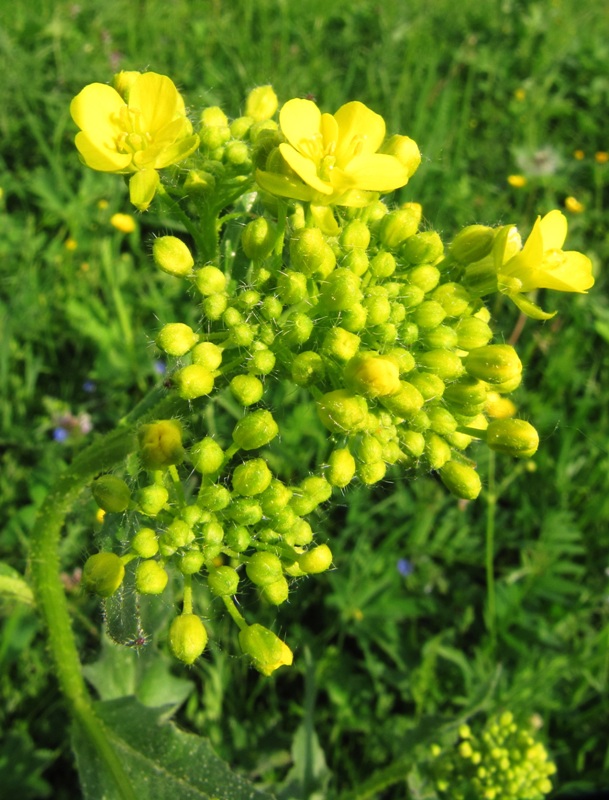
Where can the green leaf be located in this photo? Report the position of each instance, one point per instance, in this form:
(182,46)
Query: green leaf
(13,586)
(161,761)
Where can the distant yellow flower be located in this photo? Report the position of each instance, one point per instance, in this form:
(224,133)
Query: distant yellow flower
(517,181)
(70,244)
(148,131)
(601,157)
(573,205)
(123,223)
(335,159)
(541,264)
(520,94)
(579,155)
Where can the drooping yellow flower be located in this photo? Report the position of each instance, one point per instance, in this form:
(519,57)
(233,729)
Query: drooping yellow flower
(141,134)
(334,159)
(540,264)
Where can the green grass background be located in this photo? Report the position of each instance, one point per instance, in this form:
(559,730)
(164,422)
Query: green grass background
(487,89)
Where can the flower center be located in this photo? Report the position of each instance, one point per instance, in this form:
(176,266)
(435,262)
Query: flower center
(133,138)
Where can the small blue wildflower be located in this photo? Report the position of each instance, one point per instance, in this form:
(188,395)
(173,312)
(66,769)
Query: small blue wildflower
(404,567)
(89,386)
(60,434)
(159,367)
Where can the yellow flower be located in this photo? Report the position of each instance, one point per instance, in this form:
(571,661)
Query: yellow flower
(601,157)
(123,223)
(579,155)
(540,264)
(517,181)
(334,159)
(573,205)
(146,132)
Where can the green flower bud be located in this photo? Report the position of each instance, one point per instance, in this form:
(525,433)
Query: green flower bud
(341,411)
(255,430)
(300,534)
(355,318)
(437,451)
(276,593)
(111,493)
(210,280)
(150,577)
(356,261)
(472,333)
(272,308)
(208,355)
(245,511)
(466,396)
(214,498)
(192,515)
(187,638)
(308,368)
(266,650)
(310,253)
(190,563)
(493,363)
(283,520)
(297,329)
(193,381)
(371,472)
(373,375)
(461,480)
(145,543)
(213,533)
(453,298)
(213,137)
(207,456)
(263,134)
(411,296)
(214,117)
(261,103)
(422,248)
(413,443)
(258,239)
(199,182)
(161,444)
(292,287)
(419,421)
(214,306)
(405,402)
(367,448)
(264,568)
(341,290)
(317,560)
(341,468)
(248,299)
(172,256)
(152,499)
(262,363)
(223,581)
(443,363)
(409,333)
(378,309)
(177,534)
(426,277)
(252,477)
(383,264)
(275,498)
(429,314)
(246,389)
(268,536)
(441,420)
(340,344)
(441,338)
(237,153)
(238,538)
(399,225)
(431,386)
(514,437)
(176,339)
(103,573)
(355,235)
(472,244)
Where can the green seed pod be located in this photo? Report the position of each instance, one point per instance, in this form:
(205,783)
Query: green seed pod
(190,563)
(413,442)
(193,381)
(317,560)
(429,314)
(150,577)
(214,306)
(399,225)
(341,290)
(441,338)
(494,363)
(187,638)
(340,344)
(455,300)
(262,363)
(426,277)
(210,280)
(373,375)
(161,444)
(208,355)
(238,538)
(514,437)
(223,581)
(443,363)
(341,411)
(266,650)
(111,493)
(245,511)
(300,535)
(472,244)
(246,389)
(145,543)
(472,333)
(372,472)
(102,574)
(207,456)
(310,253)
(422,248)
(437,451)
(405,402)
(277,592)
(172,256)
(292,287)
(297,329)
(178,534)
(383,264)
(264,568)
(461,480)
(308,368)
(430,386)
(275,498)
(256,429)
(341,468)
(176,339)
(252,477)
(214,497)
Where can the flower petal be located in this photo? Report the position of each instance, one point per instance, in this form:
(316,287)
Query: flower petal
(142,188)
(360,131)
(554,230)
(283,185)
(97,156)
(567,272)
(300,122)
(96,110)
(376,173)
(304,168)
(177,152)
(324,218)
(530,308)
(525,265)
(158,100)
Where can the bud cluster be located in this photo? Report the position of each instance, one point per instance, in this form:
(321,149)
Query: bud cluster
(503,762)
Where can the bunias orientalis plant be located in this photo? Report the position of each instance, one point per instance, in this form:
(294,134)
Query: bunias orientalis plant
(330,288)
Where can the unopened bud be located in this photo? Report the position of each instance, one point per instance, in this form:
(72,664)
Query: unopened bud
(261,103)
(454,298)
(263,568)
(461,480)
(207,456)
(208,355)
(341,411)
(255,430)
(466,396)
(145,543)
(187,638)
(340,344)
(405,150)
(355,235)
(373,375)
(437,451)
(341,468)
(443,363)
(310,253)
(307,368)
(191,562)
(176,339)
(405,402)
(514,437)
(247,389)
(252,478)
(111,493)
(277,592)
(161,444)
(292,287)
(172,256)
(150,577)
(223,581)
(214,306)
(210,280)
(258,238)
(430,385)
(472,333)
(103,573)
(266,650)
(151,499)
(372,472)
(494,363)
(383,264)
(399,225)
(123,81)
(472,244)
(193,381)
(429,315)
(317,560)
(422,248)
(341,290)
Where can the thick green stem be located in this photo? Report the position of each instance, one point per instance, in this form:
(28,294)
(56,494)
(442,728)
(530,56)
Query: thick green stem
(103,454)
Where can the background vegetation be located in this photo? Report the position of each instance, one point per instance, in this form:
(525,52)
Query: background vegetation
(395,645)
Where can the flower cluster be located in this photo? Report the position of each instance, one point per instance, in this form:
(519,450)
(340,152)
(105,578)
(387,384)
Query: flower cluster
(503,762)
(329,288)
